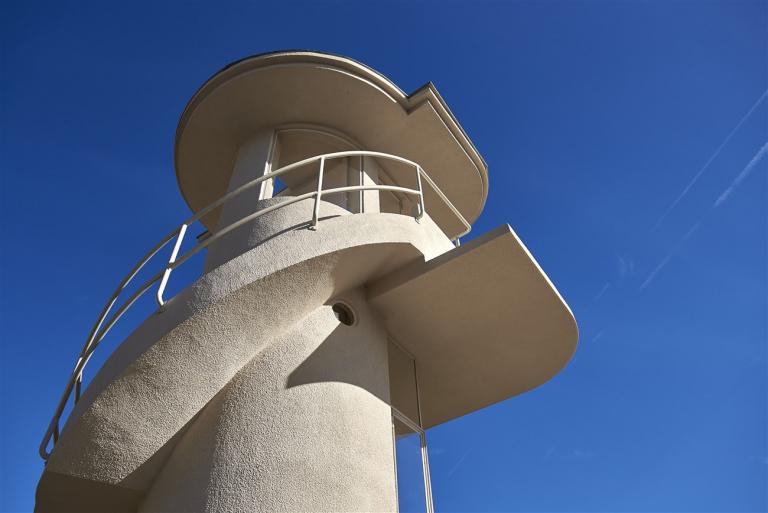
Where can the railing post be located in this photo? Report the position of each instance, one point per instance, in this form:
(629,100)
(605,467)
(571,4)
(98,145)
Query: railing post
(318,195)
(78,385)
(361,194)
(422,208)
(169,267)
(78,377)
(425,470)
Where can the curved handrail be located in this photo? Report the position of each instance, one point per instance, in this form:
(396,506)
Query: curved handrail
(105,322)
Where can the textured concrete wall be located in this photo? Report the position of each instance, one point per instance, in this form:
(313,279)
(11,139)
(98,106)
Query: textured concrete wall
(304,426)
(251,163)
(272,224)
(156,385)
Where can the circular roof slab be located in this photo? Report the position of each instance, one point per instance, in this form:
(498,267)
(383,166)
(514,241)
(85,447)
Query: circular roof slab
(299,87)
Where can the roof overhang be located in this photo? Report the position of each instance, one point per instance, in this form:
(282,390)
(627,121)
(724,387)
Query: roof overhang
(302,87)
(483,322)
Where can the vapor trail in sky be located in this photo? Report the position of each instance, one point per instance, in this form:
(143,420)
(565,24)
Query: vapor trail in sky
(719,201)
(741,176)
(711,159)
(669,256)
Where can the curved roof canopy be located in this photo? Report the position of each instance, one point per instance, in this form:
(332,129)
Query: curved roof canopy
(302,87)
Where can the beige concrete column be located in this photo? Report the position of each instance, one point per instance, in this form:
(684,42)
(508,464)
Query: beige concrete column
(253,160)
(305,426)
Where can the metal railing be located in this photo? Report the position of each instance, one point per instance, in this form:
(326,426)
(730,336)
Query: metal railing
(105,322)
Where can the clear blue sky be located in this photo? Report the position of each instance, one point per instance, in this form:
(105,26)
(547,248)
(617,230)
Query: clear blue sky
(594,118)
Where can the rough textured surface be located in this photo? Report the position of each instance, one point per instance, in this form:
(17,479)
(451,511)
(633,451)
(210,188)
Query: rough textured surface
(160,379)
(68,494)
(304,426)
(246,394)
(297,216)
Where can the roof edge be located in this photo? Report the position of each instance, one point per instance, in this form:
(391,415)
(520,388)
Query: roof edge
(408,102)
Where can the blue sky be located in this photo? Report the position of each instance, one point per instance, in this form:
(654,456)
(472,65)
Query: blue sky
(626,146)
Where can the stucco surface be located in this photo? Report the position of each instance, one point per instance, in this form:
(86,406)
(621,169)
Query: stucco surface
(304,426)
(245,394)
(159,380)
(273,224)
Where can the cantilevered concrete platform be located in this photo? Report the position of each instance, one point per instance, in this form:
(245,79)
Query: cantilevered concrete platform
(483,322)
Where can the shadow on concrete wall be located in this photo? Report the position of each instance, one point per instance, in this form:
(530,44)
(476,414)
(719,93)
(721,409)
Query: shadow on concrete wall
(345,356)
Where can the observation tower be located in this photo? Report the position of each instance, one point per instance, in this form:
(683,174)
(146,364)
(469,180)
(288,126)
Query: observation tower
(337,317)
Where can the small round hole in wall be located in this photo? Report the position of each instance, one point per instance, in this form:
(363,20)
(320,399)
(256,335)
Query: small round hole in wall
(344,313)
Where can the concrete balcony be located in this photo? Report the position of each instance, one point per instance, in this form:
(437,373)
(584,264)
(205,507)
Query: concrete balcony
(240,231)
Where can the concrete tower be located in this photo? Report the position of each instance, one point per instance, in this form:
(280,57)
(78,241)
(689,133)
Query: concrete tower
(336,318)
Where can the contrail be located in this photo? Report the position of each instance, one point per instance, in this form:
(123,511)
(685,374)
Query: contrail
(603,290)
(711,159)
(461,460)
(762,152)
(741,176)
(599,334)
(667,258)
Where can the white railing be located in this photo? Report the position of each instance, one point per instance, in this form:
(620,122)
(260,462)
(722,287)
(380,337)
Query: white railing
(104,323)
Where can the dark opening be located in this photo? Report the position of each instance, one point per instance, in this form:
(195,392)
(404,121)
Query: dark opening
(344,314)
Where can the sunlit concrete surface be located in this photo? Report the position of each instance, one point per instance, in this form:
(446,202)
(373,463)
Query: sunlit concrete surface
(248,390)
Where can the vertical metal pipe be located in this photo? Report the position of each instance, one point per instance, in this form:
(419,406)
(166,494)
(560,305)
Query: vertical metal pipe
(394,460)
(422,208)
(423,440)
(78,376)
(318,195)
(427,478)
(169,268)
(362,182)
(78,384)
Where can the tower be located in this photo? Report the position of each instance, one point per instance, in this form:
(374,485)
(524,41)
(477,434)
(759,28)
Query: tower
(336,318)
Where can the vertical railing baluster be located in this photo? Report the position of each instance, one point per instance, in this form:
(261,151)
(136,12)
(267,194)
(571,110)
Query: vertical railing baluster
(361,199)
(78,385)
(169,267)
(316,212)
(422,208)
(425,469)
(79,378)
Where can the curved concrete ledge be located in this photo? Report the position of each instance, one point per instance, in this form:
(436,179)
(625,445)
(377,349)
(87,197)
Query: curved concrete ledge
(294,217)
